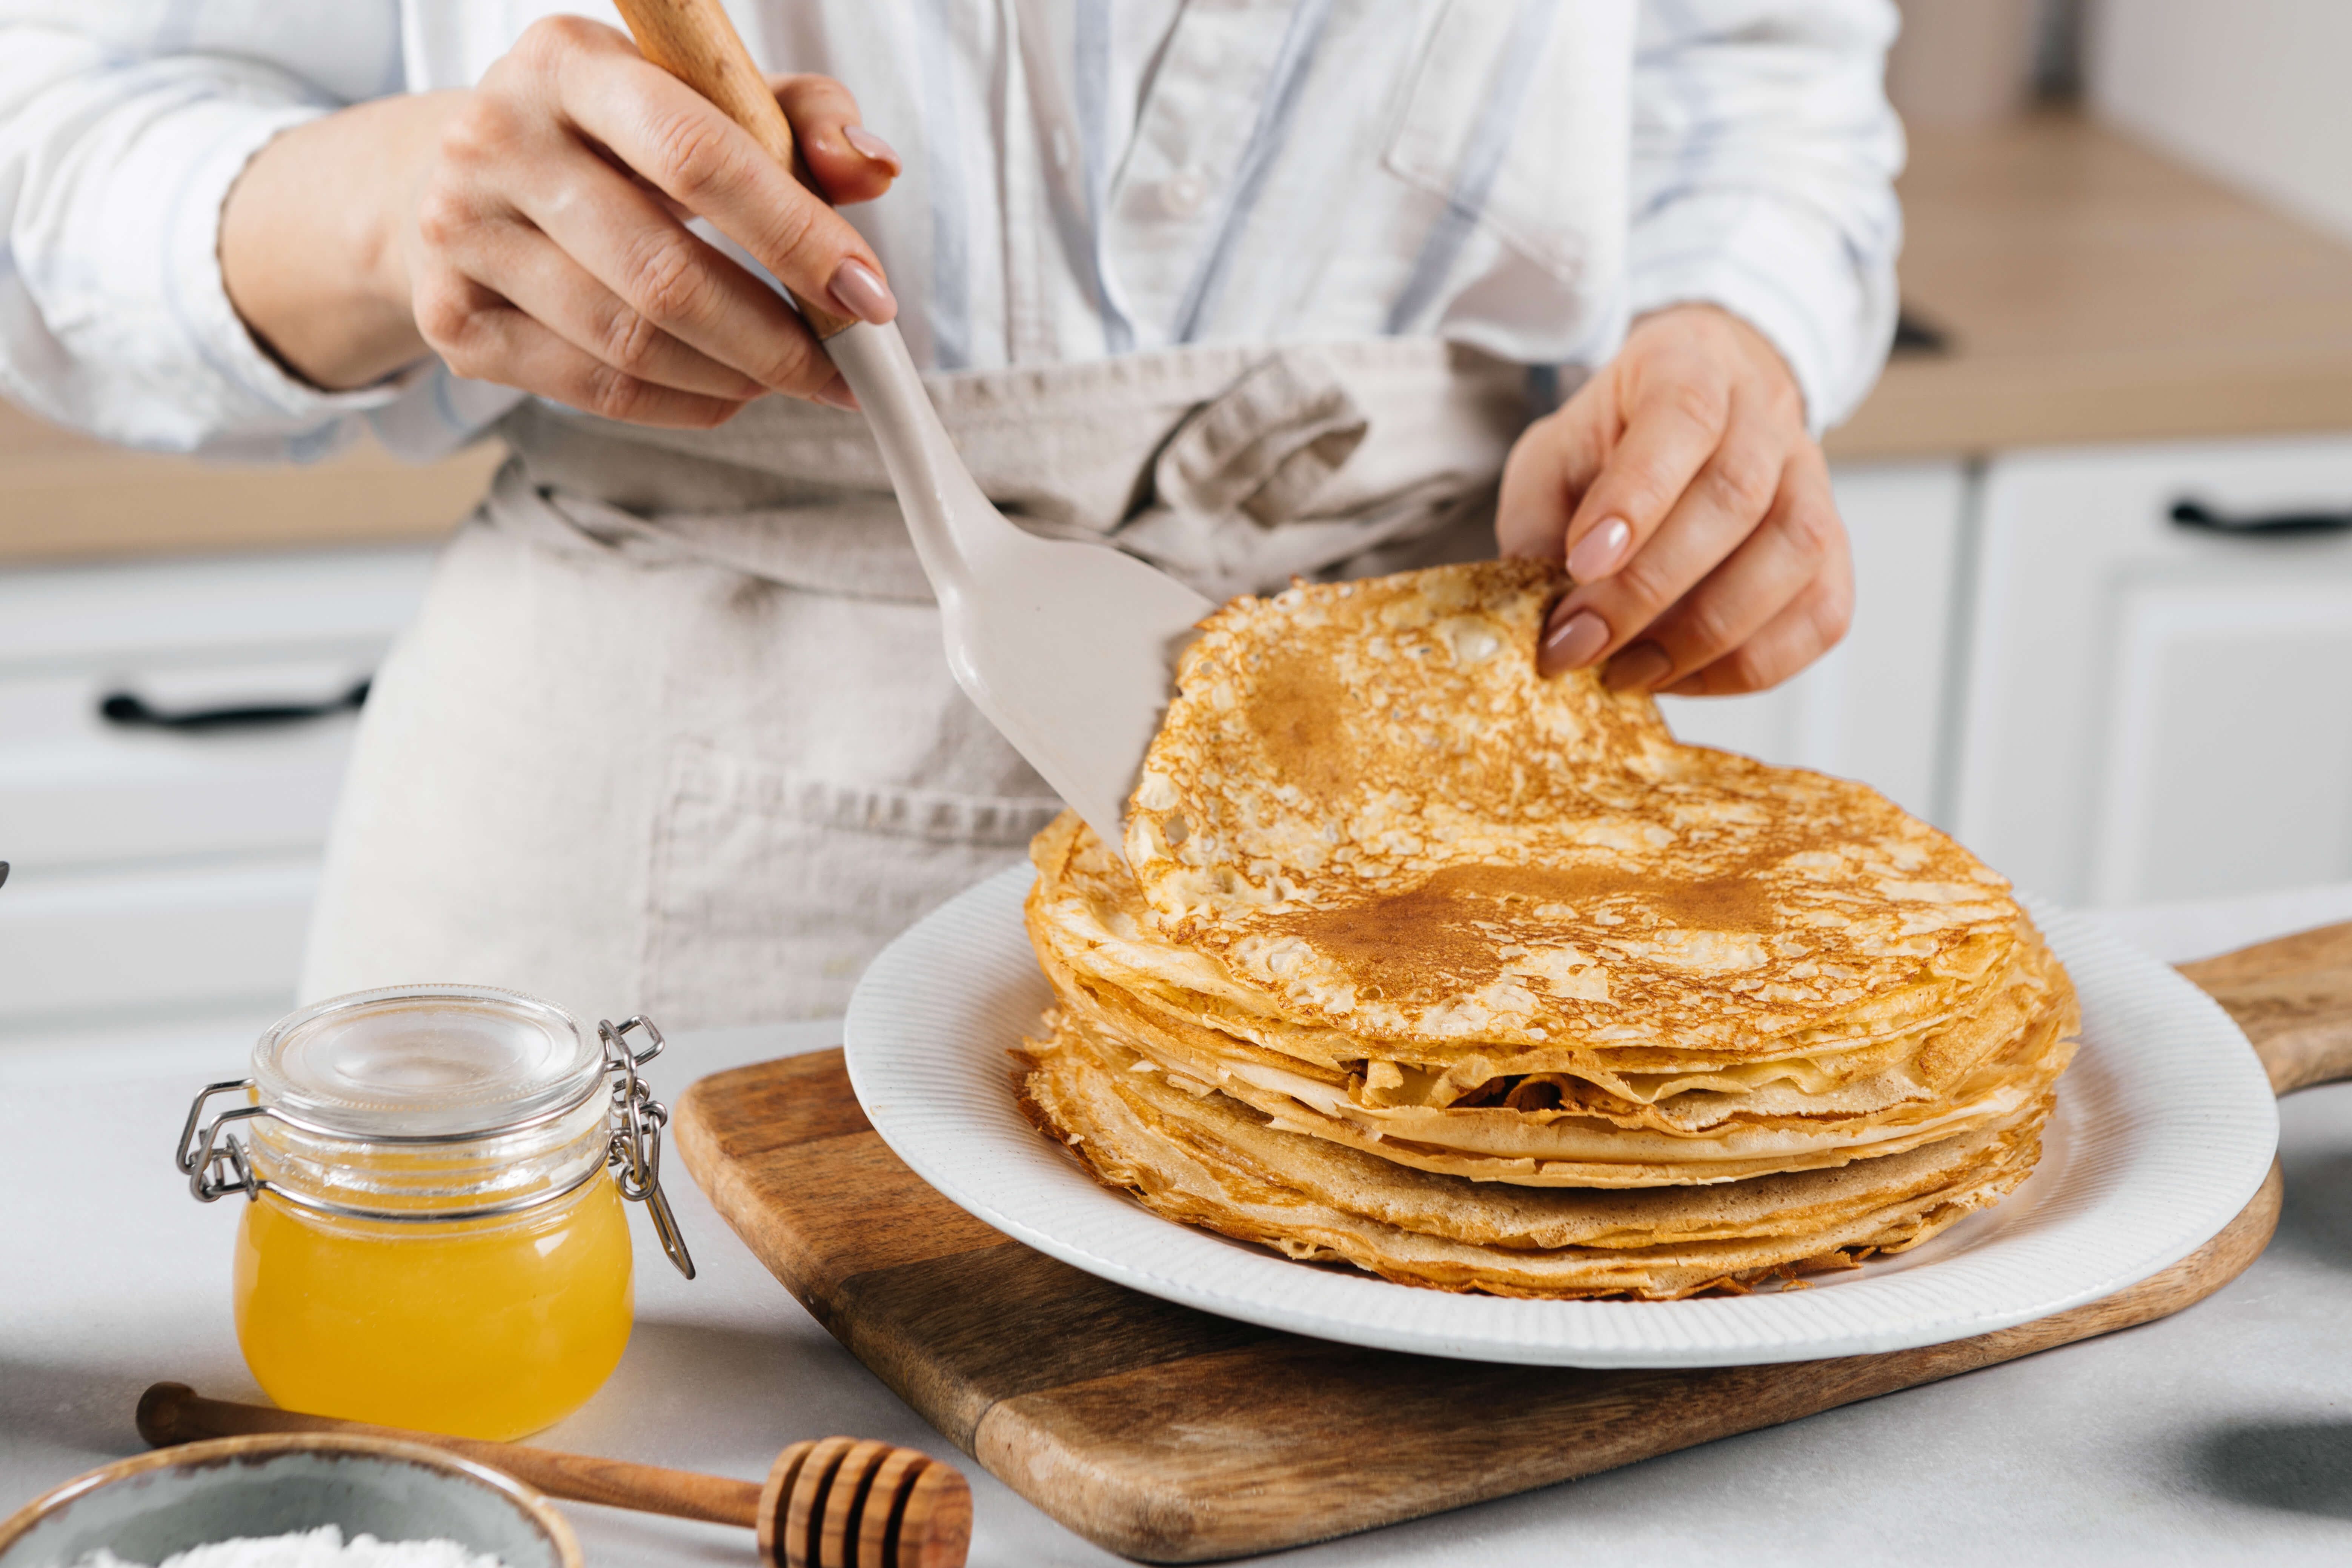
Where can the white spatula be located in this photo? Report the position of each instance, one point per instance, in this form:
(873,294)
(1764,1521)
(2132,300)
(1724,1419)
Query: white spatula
(1067,648)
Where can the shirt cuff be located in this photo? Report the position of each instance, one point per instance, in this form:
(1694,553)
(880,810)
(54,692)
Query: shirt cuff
(1785,271)
(197,295)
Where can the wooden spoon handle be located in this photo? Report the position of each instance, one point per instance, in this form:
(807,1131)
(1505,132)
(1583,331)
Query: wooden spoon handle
(173,1413)
(2293,998)
(694,41)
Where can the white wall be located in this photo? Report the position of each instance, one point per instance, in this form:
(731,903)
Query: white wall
(2251,90)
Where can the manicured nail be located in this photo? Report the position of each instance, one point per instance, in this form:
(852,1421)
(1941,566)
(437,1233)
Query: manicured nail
(1600,552)
(836,394)
(871,146)
(1637,668)
(859,293)
(1572,644)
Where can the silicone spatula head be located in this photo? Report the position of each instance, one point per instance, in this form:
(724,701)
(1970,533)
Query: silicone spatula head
(1066,647)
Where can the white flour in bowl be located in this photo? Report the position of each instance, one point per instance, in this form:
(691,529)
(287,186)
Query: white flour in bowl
(321,1548)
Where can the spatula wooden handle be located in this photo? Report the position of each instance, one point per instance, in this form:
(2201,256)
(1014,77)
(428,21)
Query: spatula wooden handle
(694,41)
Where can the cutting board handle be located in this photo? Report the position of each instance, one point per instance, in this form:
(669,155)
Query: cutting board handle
(2293,997)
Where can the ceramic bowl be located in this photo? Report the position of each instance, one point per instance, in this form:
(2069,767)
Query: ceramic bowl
(146,1507)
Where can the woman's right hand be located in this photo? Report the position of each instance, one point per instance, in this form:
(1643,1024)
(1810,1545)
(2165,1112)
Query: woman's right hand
(539,239)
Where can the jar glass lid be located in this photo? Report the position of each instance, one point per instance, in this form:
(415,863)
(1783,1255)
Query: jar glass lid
(425,1061)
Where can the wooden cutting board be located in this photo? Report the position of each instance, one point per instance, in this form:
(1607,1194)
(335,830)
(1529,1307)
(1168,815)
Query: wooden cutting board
(1174,1436)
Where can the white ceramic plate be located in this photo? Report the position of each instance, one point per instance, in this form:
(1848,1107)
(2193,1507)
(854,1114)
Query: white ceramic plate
(2165,1126)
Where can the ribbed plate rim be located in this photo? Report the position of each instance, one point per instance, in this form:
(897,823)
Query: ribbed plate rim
(2170,1128)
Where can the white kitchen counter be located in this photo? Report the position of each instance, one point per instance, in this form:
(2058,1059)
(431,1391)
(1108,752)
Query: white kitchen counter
(2223,1434)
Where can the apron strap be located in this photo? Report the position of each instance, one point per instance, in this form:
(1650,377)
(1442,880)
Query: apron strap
(1234,468)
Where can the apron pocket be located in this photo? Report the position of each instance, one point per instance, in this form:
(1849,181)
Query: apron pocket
(771,891)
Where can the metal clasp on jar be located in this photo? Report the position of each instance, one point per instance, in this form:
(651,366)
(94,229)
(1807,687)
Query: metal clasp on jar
(214,1166)
(639,1120)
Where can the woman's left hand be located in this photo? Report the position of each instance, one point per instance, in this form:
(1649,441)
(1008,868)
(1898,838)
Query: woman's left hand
(1694,511)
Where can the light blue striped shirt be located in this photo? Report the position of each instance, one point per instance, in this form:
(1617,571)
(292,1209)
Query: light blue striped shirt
(1084,178)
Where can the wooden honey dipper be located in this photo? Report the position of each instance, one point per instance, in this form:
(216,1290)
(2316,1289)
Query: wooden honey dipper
(834,1502)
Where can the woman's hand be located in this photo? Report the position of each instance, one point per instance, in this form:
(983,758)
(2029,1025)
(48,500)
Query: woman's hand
(1692,509)
(532,232)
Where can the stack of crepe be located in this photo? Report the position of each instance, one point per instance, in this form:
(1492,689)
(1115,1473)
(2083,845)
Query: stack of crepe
(1480,980)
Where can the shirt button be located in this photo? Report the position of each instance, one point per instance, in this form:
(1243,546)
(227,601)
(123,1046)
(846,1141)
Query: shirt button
(1181,193)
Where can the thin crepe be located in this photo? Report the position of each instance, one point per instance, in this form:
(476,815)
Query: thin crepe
(1369,810)
(1483,981)
(1207,1160)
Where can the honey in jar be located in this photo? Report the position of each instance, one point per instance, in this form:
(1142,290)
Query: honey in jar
(433,1238)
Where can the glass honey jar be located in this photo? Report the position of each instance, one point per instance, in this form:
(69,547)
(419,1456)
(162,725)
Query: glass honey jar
(432,1239)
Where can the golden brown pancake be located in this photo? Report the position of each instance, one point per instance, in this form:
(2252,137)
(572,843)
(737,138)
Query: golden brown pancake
(1558,1115)
(1207,1160)
(1483,981)
(1370,809)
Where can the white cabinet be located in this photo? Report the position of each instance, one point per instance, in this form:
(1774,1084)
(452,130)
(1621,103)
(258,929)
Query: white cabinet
(118,946)
(2109,706)
(1873,707)
(160,871)
(2155,713)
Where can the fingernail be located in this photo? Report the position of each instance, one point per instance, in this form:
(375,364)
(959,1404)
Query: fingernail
(836,394)
(1637,668)
(871,146)
(859,293)
(1600,552)
(1572,644)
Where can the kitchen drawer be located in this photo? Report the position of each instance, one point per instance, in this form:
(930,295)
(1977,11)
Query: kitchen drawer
(220,603)
(1871,707)
(2157,712)
(77,789)
(118,944)
(169,873)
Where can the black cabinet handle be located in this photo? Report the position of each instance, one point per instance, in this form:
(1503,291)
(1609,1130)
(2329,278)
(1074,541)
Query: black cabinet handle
(132,711)
(1914,336)
(2197,514)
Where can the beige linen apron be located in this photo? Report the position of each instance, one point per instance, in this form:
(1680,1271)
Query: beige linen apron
(673,732)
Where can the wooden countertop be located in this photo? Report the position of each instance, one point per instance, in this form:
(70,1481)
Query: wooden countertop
(2094,290)
(2091,290)
(64,497)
